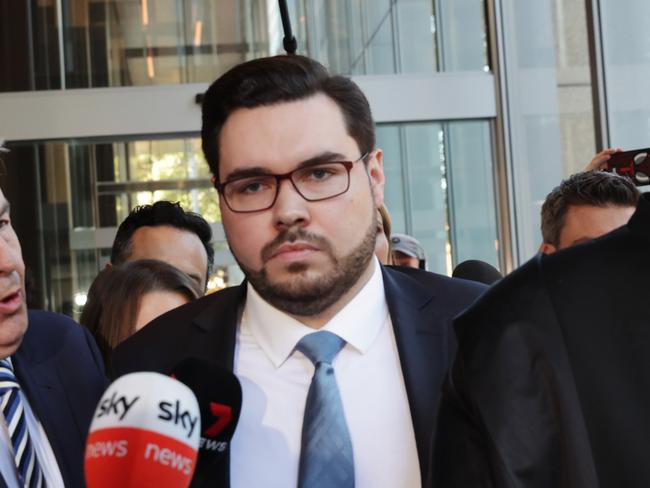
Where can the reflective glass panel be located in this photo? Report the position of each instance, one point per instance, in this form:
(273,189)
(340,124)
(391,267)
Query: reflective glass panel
(549,105)
(69,197)
(626,49)
(98,43)
(439,189)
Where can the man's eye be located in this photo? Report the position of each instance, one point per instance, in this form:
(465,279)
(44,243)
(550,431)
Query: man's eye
(4,223)
(320,173)
(250,187)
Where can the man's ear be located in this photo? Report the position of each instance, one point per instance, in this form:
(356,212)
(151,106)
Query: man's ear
(109,265)
(375,169)
(547,248)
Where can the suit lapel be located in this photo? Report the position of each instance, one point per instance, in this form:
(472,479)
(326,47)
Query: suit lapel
(422,345)
(220,322)
(46,394)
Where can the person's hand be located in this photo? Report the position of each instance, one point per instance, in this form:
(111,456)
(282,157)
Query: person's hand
(600,160)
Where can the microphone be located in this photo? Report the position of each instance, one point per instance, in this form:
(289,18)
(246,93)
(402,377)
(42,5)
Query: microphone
(475,270)
(220,397)
(145,432)
(289,41)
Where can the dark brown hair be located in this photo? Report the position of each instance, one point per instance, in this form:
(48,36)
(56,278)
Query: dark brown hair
(157,214)
(595,188)
(114,298)
(278,79)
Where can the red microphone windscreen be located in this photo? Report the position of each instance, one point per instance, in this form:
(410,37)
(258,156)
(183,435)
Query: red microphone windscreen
(145,432)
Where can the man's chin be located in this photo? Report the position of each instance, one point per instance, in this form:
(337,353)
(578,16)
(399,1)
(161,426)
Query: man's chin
(12,330)
(299,273)
(278,266)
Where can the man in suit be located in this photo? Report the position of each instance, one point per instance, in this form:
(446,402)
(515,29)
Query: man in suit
(551,382)
(340,359)
(51,378)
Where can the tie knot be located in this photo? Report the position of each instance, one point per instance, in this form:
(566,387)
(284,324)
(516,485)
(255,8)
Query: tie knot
(320,347)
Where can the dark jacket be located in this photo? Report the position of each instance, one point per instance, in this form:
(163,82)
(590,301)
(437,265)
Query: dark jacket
(551,383)
(61,372)
(421,306)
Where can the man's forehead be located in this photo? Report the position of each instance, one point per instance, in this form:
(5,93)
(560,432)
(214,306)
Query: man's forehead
(283,134)
(160,234)
(181,248)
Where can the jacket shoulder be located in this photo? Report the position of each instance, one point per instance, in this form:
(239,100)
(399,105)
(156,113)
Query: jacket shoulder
(460,291)
(196,328)
(51,323)
(509,297)
(50,331)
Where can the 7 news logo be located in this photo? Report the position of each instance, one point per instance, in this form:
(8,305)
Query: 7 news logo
(222,417)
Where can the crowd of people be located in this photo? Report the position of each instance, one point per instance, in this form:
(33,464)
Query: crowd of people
(353,369)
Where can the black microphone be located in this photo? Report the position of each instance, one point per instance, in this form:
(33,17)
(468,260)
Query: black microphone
(289,41)
(219,395)
(475,270)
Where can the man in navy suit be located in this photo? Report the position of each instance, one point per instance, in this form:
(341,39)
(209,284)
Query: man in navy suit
(292,151)
(51,372)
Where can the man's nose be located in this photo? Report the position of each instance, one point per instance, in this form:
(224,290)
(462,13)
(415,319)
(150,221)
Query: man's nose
(290,207)
(9,260)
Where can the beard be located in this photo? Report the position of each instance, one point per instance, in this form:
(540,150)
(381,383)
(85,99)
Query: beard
(307,296)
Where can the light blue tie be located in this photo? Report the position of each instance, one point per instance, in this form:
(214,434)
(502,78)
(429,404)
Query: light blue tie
(326,454)
(29,470)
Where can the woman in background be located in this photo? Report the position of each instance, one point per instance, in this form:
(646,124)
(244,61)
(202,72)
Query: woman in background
(382,245)
(125,298)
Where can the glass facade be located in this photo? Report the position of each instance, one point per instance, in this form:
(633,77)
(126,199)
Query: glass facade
(85,190)
(379,37)
(466,186)
(88,188)
(439,189)
(626,52)
(91,44)
(549,106)
(549,66)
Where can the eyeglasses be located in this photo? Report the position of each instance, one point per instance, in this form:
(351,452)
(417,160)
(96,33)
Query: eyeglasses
(313,183)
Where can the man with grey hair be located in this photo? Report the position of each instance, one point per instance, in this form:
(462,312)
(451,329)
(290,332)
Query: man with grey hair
(51,377)
(550,384)
(585,206)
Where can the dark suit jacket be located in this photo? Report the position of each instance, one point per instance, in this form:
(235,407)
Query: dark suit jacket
(61,372)
(551,383)
(421,306)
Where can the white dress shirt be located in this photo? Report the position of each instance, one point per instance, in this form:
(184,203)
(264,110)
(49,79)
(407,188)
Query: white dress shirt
(265,449)
(41,444)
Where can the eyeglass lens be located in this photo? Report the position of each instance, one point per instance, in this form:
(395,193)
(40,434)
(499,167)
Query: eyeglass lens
(313,183)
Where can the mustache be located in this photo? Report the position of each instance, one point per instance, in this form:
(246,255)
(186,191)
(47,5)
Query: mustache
(292,235)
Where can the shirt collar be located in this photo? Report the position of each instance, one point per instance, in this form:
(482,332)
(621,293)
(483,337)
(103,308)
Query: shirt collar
(358,323)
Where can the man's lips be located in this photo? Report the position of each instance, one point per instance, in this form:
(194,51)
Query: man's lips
(294,250)
(11,302)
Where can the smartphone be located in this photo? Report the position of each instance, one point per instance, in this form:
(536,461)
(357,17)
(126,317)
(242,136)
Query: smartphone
(634,164)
